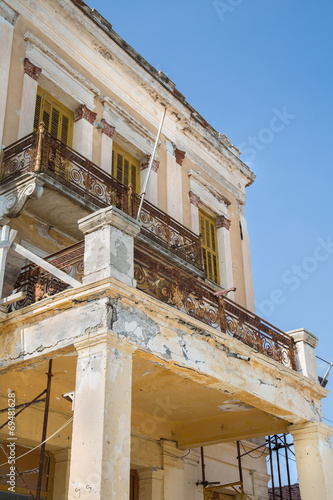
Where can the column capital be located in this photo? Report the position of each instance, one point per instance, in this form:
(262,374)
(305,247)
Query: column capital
(151,473)
(31,70)
(172,455)
(222,221)
(107,129)
(82,112)
(109,216)
(310,430)
(145,163)
(92,343)
(302,335)
(180,155)
(194,198)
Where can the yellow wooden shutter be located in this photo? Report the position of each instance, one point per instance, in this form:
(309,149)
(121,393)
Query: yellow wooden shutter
(57,118)
(125,168)
(209,245)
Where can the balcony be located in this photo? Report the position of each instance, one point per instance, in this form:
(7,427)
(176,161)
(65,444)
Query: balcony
(74,187)
(163,281)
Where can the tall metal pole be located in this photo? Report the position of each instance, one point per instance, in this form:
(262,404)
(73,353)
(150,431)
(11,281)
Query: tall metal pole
(203,467)
(278,463)
(271,460)
(287,465)
(152,158)
(46,414)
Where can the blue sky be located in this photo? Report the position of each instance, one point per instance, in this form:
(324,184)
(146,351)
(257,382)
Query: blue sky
(242,63)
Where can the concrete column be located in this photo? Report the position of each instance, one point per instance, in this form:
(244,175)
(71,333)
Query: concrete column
(225,255)
(314,459)
(61,473)
(106,147)
(248,281)
(109,245)
(173,466)
(100,456)
(84,120)
(151,484)
(152,188)
(194,208)
(28,100)
(260,485)
(8,18)
(174,183)
(306,344)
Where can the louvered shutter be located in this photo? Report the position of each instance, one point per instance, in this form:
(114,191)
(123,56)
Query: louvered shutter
(209,245)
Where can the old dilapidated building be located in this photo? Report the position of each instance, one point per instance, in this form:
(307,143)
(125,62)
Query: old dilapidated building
(115,348)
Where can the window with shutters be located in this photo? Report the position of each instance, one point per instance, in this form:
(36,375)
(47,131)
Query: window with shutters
(209,245)
(125,168)
(57,118)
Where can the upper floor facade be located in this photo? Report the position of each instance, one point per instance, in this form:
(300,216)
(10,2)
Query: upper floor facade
(101,104)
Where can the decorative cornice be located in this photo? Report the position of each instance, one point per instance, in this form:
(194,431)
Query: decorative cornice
(107,129)
(194,198)
(40,53)
(145,163)
(31,70)
(85,113)
(203,183)
(180,155)
(109,107)
(222,221)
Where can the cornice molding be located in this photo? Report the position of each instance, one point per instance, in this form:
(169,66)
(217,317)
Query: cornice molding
(220,197)
(111,107)
(39,53)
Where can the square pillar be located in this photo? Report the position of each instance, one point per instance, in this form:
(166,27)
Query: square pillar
(174,182)
(225,256)
(61,473)
(109,245)
(28,100)
(194,209)
(173,466)
(314,459)
(84,120)
(247,266)
(106,146)
(152,188)
(100,455)
(306,344)
(151,484)
(8,19)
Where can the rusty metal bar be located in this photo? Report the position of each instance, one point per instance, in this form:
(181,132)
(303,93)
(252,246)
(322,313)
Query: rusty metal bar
(203,466)
(18,473)
(271,463)
(46,414)
(286,449)
(239,459)
(39,155)
(26,405)
(278,463)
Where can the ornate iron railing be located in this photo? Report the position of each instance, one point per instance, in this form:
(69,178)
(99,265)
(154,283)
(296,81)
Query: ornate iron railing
(42,153)
(169,284)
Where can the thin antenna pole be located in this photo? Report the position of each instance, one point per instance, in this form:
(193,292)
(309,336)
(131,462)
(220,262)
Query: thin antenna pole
(152,158)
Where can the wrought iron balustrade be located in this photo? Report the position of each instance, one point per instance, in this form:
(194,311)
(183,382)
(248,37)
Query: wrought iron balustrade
(169,284)
(40,152)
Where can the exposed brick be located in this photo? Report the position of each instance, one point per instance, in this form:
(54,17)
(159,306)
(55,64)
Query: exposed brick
(180,155)
(107,128)
(84,112)
(222,221)
(31,70)
(145,163)
(194,198)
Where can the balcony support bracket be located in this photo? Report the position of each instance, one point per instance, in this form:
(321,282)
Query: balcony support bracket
(13,199)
